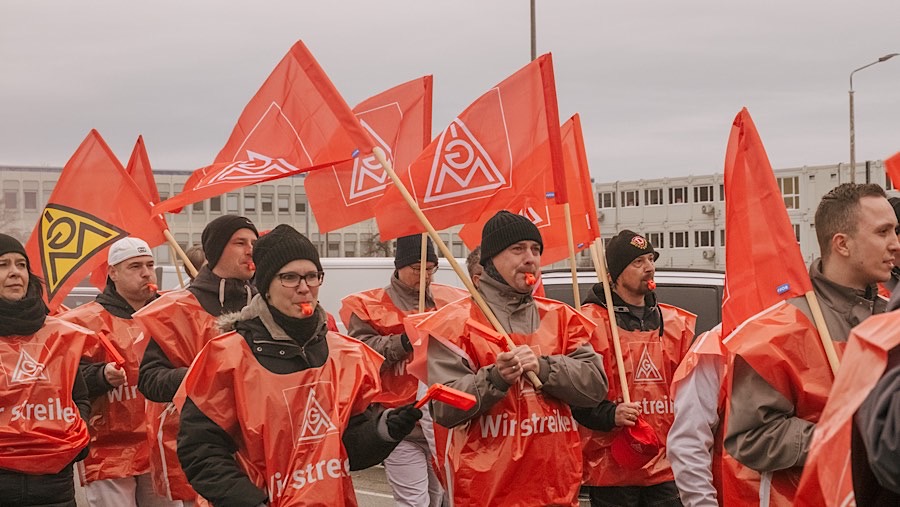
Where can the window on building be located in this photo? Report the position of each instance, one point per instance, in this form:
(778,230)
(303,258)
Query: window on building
(797,231)
(182,239)
(334,247)
(630,198)
(790,191)
(215,204)
(232,203)
(161,255)
(656,239)
(198,207)
(284,203)
(653,197)
(703,193)
(249,203)
(705,238)
(678,239)
(299,203)
(266,203)
(677,195)
(607,199)
(458,249)
(350,248)
(11,199)
(721,191)
(722,237)
(888,183)
(30,199)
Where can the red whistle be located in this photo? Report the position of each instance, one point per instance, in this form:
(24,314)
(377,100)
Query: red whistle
(306,308)
(251,266)
(453,397)
(651,284)
(530,279)
(152,287)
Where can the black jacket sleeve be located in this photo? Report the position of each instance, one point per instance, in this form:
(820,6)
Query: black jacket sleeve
(94,378)
(365,447)
(599,418)
(83,402)
(158,380)
(206,453)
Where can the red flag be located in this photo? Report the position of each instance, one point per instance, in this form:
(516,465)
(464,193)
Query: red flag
(495,150)
(400,121)
(550,217)
(296,122)
(763,262)
(892,167)
(139,170)
(94,204)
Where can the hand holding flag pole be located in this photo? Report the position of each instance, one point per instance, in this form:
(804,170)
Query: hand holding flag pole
(464,278)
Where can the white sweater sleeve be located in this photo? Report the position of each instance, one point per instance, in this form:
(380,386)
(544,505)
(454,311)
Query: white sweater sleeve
(690,440)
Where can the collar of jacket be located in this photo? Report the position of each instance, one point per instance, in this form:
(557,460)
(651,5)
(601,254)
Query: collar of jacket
(853,305)
(516,311)
(114,303)
(625,318)
(220,295)
(406,298)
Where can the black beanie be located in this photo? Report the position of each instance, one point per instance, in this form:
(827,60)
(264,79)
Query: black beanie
(504,229)
(625,247)
(217,234)
(277,248)
(9,244)
(409,251)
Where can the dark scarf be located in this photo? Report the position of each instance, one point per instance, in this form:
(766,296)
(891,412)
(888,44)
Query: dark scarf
(25,316)
(300,330)
(491,271)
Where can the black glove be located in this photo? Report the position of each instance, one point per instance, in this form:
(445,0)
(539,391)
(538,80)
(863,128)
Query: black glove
(401,421)
(407,345)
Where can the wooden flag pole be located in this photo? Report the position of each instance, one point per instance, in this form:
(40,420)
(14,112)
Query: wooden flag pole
(423,272)
(570,237)
(463,277)
(598,254)
(824,335)
(183,256)
(177,268)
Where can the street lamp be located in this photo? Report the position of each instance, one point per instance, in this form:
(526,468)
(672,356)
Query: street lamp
(852,131)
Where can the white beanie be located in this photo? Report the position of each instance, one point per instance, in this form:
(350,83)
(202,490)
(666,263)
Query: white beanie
(127,248)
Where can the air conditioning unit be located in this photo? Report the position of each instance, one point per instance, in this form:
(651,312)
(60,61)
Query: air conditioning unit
(709,254)
(708,209)
(600,216)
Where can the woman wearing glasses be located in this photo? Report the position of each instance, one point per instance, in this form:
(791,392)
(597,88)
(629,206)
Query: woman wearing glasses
(277,411)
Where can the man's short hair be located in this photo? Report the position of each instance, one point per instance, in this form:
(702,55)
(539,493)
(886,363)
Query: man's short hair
(838,212)
(473,260)
(196,256)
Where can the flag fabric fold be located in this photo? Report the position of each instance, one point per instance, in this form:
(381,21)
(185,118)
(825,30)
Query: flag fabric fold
(495,150)
(94,204)
(399,119)
(763,262)
(296,122)
(892,167)
(140,171)
(550,216)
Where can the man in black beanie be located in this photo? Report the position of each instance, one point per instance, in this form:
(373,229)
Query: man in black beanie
(376,317)
(282,397)
(655,338)
(528,462)
(180,322)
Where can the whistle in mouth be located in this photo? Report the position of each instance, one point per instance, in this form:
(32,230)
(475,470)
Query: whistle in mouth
(530,279)
(306,308)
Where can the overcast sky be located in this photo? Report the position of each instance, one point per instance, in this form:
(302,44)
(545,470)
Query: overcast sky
(657,82)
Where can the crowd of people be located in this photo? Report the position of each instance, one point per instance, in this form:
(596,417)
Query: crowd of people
(239,390)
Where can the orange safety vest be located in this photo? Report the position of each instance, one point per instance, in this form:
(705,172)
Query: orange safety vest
(376,308)
(525,450)
(41,430)
(117,424)
(827,478)
(288,427)
(181,327)
(650,363)
(784,348)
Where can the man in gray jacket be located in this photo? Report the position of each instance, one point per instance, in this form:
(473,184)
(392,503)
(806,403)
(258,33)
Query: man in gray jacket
(518,445)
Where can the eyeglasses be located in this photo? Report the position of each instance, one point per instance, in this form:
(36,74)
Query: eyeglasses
(418,269)
(292,280)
